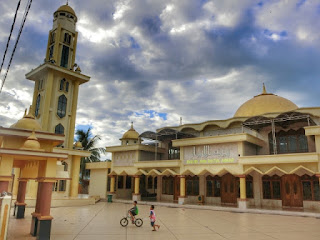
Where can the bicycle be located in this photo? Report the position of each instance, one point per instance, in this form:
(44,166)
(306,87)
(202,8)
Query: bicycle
(125,220)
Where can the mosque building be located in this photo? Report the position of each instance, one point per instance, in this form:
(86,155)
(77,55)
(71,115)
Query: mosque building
(39,162)
(265,156)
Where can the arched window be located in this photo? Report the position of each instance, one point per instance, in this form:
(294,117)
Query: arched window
(37,106)
(67,87)
(65,166)
(64,56)
(67,38)
(59,129)
(62,81)
(62,106)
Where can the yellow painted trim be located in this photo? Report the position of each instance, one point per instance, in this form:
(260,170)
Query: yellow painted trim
(135,147)
(275,169)
(302,167)
(153,172)
(240,137)
(251,169)
(75,94)
(169,172)
(312,130)
(280,158)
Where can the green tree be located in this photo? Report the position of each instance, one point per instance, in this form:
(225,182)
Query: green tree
(89,143)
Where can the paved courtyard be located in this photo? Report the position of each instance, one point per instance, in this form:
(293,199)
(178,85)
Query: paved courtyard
(101,221)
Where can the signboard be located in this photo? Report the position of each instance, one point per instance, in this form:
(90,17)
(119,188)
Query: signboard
(211,154)
(124,158)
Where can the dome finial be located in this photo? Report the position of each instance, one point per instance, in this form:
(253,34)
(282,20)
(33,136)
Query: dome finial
(131,125)
(25,112)
(264,91)
(67,2)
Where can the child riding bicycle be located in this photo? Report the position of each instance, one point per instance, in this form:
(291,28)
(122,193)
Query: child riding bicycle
(133,211)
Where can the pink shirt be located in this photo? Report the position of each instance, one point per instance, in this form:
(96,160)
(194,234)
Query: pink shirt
(152,216)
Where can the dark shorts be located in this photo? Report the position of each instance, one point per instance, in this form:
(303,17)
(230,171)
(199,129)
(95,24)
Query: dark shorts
(152,224)
(133,213)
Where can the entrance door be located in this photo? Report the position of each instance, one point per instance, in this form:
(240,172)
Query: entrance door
(228,189)
(291,191)
(176,193)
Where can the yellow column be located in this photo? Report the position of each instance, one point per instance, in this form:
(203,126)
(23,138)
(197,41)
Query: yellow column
(74,185)
(16,181)
(69,144)
(243,195)
(47,100)
(182,186)
(136,185)
(56,49)
(112,183)
(74,49)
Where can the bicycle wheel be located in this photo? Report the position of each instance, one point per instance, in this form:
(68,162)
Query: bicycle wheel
(124,222)
(138,222)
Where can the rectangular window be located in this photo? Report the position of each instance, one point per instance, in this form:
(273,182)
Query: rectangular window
(217,188)
(192,185)
(64,56)
(51,51)
(209,188)
(307,192)
(120,182)
(55,187)
(167,185)
(155,182)
(62,185)
(276,190)
(149,182)
(249,189)
(283,145)
(292,144)
(316,190)
(128,182)
(266,190)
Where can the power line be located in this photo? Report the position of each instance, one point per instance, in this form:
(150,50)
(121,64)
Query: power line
(12,26)
(15,46)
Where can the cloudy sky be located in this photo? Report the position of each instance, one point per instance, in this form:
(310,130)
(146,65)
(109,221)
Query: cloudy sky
(154,61)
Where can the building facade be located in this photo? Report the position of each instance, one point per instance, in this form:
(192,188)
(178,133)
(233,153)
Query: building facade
(265,156)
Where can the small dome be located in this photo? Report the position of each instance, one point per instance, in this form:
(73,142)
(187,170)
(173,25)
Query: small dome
(27,122)
(130,134)
(66,8)
(265,103)
(31,143)
(78,145)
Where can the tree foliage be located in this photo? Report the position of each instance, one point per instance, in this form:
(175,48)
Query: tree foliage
(89,143)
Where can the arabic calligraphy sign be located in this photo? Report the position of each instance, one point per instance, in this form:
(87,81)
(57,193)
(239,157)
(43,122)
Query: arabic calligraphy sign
(211,154)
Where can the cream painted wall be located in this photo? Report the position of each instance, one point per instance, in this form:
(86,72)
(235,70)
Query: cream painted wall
(98,182)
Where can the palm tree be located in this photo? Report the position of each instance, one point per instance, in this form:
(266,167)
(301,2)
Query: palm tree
(89,144)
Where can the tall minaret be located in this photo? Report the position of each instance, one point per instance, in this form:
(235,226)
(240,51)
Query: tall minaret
(57,80)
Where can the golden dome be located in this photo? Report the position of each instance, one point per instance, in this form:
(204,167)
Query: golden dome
(27,122)
(265,103)
(66,8)
(31,143)
(130,134)
(78,145)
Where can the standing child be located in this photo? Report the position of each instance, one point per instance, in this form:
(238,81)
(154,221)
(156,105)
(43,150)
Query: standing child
(153,219)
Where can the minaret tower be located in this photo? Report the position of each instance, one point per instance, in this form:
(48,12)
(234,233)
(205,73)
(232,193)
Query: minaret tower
(57,80)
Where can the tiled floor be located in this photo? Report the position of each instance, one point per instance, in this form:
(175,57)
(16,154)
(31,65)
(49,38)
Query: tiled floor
(101,221)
